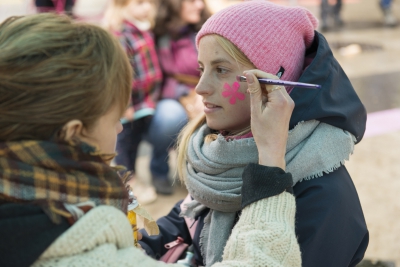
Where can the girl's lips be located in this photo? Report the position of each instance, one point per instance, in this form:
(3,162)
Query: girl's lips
(209,108)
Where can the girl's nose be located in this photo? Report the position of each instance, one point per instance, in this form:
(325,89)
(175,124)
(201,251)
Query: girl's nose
(202,88)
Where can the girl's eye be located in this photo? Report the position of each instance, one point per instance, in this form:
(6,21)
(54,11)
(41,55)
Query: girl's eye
(221,70)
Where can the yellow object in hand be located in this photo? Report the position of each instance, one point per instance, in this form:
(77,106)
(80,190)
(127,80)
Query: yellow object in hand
(135,210)
(132,219)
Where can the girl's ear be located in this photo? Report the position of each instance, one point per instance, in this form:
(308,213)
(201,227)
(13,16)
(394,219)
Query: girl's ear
(70,130)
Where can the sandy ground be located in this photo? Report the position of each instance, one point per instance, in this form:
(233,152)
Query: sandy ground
(375,170)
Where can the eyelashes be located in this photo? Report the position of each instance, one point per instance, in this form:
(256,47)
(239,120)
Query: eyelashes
(222,70)
(219,70)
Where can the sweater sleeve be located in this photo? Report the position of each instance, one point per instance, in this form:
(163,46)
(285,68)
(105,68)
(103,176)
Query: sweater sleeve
(264,235)
(103,238)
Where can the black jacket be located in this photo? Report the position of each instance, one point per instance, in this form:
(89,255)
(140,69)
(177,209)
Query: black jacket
(26,232)
(330,224)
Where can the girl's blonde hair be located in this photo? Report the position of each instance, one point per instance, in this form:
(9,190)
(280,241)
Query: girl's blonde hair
(113,17)
(193,125)
(53,70)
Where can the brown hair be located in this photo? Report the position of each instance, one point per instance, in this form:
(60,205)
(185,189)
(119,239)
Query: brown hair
(168,19)
(53,70)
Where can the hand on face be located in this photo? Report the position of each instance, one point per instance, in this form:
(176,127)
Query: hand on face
(271,109)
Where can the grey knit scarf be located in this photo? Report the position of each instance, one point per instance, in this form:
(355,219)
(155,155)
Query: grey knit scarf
(214,174)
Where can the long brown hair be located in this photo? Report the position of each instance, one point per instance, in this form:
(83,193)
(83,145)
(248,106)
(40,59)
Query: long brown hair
(53,70)
(168,19)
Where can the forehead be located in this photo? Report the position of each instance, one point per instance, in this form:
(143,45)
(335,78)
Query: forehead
(210,49)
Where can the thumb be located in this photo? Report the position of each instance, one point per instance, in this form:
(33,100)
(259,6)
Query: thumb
(254,89)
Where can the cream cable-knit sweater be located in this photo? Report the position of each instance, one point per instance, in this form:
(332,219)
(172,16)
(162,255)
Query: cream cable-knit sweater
(263,236)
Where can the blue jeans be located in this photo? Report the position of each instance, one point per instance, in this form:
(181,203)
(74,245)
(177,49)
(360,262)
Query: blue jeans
(325,9)
(385,4)
(160,130)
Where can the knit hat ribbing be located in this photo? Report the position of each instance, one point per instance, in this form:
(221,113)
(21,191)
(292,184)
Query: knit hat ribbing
(269,35)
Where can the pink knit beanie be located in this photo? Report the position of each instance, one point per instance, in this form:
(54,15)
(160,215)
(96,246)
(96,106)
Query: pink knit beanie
(270,35)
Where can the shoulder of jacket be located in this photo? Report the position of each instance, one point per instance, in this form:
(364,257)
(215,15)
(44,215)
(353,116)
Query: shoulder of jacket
(101,225)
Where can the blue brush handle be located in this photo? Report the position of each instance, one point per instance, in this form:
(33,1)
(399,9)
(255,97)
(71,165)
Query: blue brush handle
(282,83)
(287,83)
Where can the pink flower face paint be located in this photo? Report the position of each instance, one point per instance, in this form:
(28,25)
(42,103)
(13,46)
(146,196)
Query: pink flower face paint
(233,93)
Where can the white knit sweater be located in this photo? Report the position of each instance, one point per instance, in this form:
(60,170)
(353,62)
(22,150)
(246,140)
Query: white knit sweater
(263,236)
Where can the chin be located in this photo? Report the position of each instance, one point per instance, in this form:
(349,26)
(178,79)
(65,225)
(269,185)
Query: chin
(218,126)
(195,19)
(214,125)
(223,126)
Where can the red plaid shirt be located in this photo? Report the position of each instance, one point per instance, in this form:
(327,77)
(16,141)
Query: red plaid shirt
(140,48)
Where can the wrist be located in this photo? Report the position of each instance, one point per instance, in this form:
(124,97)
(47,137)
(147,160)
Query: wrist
(272,159)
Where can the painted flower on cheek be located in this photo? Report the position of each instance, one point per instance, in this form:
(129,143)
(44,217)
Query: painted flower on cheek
(233,93)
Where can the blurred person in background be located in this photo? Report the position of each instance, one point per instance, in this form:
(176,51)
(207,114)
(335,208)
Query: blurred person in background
(58,6)
(330,14)
(158,122)
(177,23)
(387,8)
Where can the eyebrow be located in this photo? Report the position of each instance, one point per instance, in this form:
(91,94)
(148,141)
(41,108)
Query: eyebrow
(218,61)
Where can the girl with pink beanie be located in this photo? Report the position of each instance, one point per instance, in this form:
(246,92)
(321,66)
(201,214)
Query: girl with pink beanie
(217,150)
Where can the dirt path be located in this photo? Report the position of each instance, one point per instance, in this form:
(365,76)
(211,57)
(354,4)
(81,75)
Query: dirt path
(375,169)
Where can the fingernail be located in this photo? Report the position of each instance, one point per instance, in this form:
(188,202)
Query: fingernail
(249,78)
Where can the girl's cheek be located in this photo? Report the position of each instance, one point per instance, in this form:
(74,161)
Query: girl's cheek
(232,93)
